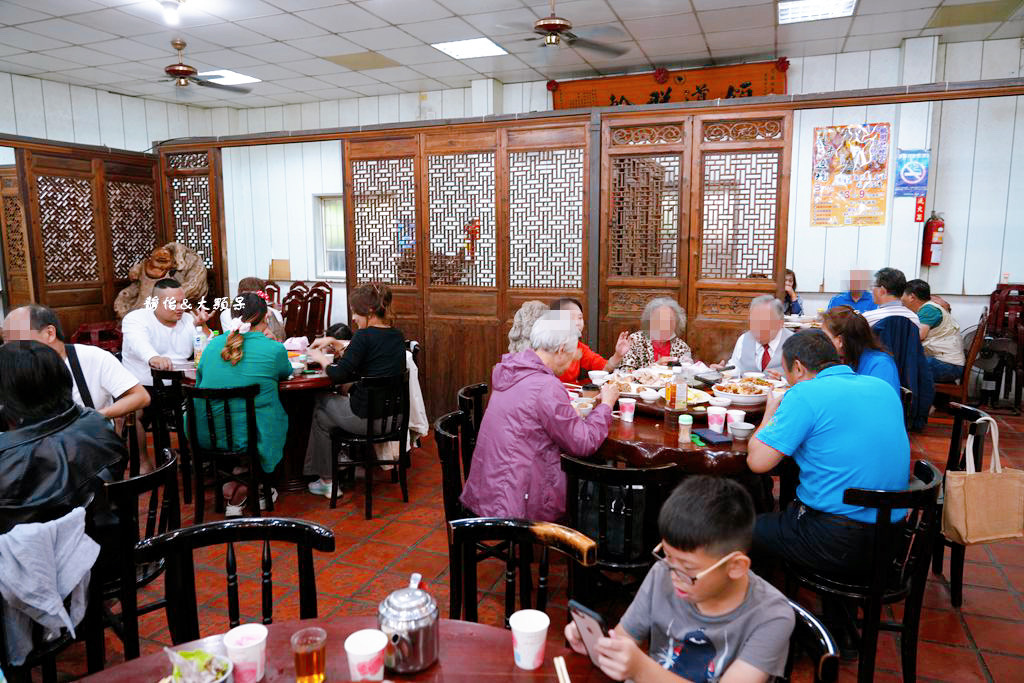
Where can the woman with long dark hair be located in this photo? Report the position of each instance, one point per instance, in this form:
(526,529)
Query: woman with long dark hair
(244,355)
(859,346)
(793,304)
(377,349)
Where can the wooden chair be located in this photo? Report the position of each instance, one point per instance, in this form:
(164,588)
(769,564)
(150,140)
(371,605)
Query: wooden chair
(898,565)
(299,286)
(414,347)
(223,453)
(958,391)
(811,636)
(387,420)
(176,547)
(956,461)
(168,416)
(106,335)
(465,535)
(273,292)
(471,402)
(328,292)
(907,398)
(316,315)
(293,308)
(126,577)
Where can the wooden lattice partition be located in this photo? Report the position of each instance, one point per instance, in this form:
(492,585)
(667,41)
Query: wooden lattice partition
(17,262)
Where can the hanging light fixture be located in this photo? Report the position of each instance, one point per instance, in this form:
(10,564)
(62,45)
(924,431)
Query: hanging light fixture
(171,8)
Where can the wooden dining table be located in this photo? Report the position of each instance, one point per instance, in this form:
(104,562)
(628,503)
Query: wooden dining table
(469,652)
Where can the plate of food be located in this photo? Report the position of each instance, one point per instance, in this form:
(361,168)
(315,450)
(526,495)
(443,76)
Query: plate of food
(693,396)
(745,393)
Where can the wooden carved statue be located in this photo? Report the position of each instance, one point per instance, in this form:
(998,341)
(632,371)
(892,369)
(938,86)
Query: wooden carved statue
(172,260)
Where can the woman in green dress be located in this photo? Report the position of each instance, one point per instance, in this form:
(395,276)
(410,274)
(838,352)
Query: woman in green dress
(244,356)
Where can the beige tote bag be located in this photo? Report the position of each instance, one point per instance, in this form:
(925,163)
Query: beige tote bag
(981,507)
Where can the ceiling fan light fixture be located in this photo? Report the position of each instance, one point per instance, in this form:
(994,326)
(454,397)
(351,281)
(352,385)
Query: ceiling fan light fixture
(552,39)
(181,82)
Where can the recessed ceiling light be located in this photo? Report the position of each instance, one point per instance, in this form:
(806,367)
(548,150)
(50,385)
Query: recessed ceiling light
(467,49)
(227,77)
(793,11)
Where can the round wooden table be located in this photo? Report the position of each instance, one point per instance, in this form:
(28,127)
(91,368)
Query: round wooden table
(469,652)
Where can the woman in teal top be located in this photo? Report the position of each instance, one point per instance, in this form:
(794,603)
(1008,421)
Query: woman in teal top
(242,357)
(859,346)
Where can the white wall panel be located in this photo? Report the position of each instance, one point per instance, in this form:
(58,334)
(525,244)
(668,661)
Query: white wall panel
(388,109)
(156,121)
(57,110)
(111,120)
(310,118)
(453,104)
(432,105)
(28,106)
(348,113)
(369,112)
(329,114)
(86,115)
(177,121)
(8,121)
(134,112)
(200,123)
(1013,228)
(274,118)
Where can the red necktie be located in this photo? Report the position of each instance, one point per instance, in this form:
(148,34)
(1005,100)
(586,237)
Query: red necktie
(766,358)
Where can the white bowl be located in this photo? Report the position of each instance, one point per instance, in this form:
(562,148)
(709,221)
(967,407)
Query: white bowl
(572,395)
(741,430)
(298,367)
(598,377)
(649,395)
(742,400)
(719,402)
(754,375)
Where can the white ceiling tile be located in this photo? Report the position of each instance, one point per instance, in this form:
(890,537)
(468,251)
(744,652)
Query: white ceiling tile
(502,23)
(757,16)
(299,5)
(739,55)
(579,12)
(666,47)
(349,78)
(40,62)
(633,55)
(439,30)
(342,18)
(225,34)
(411,56)
(223,59)
(810,48)
(334,94)
(960,34)
(94,75)
(419,85)
(256,101)
(729,40)
(129,49)
(326,45)
(274,52)
(685,59)
(701,5)
(140,70)
(914,20)
(518,43)
(813,30)
(498,63)
(236,10)
(553,57)
(11,50)
(283,27)
(445,69)
(399,11)
(12,68)
(16,14)
(458,81)
(305,83)
(81,56)
(270,72)
(68,31)
(314,67)
(663,27)
(119,23)
(115,3)
(382,38)
(295,98)
(641,9)
(162,40)
(59,7)
(189,15)
(566,72)
(393,73)
(876,41)
(16,37)
(884,6)
(475,6)
(376,89)
(276,88)
(1010,29)
(516,76)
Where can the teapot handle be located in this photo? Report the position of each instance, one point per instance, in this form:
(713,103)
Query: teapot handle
(414,580)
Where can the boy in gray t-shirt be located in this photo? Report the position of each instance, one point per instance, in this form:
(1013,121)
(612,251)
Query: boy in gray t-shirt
(705,615)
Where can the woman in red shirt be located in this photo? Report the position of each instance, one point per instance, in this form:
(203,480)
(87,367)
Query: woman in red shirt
(586,359)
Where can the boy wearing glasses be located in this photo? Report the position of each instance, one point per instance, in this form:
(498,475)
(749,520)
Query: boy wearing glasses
(705,615)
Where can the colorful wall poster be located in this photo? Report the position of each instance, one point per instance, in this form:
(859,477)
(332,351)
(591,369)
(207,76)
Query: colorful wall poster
(911,173)
(850,180)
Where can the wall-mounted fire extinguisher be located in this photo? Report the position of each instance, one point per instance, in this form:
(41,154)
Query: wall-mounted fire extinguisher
(931,252)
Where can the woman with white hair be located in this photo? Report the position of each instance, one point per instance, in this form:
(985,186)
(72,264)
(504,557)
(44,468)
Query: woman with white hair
(659,339)
(519,336)
(529,423)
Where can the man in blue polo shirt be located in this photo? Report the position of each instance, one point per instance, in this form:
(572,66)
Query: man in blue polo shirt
(858,297)
(844,430)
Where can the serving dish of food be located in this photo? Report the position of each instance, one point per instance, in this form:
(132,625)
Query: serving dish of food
(747,392)
(632,383)
(693,396)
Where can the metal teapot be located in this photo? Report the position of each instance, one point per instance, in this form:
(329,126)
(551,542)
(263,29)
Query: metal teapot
(409,617)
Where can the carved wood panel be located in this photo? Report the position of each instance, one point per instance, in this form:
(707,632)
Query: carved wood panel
(17,264)
(193,218)
(461,219)
(131,216)
(384,224)
(68,229)
(644,216)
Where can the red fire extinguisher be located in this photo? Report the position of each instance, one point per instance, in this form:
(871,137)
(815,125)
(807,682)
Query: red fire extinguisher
(931,252)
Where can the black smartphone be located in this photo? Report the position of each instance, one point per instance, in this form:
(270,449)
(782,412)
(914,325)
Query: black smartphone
(712,437)
(590,625)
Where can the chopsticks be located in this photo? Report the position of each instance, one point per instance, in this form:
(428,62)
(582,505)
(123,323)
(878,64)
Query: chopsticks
(570,385)
(561,670)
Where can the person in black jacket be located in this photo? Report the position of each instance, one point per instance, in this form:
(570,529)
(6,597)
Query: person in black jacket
(376,350)
(54,455)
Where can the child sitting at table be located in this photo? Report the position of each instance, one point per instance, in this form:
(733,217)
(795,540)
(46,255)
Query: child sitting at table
(704,614)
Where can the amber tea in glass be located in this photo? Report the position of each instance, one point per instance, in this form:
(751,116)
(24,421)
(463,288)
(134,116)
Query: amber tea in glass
(310,649)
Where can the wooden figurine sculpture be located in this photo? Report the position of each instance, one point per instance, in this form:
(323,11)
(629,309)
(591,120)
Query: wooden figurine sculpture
(171,260)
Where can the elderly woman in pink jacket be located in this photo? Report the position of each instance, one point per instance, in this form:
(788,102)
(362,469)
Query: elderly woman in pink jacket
(529,423)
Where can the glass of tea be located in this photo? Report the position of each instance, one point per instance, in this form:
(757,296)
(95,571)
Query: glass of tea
(310,649)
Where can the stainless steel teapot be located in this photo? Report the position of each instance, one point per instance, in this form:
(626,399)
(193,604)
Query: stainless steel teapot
(409,617)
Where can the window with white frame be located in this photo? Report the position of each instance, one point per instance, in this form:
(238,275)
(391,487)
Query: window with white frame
(330,212)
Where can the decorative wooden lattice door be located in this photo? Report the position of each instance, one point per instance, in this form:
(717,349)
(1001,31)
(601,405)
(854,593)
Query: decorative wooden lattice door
(17,262)
(692,208)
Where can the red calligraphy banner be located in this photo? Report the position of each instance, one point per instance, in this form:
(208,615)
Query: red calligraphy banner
(684,85)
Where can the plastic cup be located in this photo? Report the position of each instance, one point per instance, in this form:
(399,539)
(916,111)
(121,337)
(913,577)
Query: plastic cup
(246,646)
(627,408)
(735,415)
(716,419)
(310,649)
(365,651)
(529,633)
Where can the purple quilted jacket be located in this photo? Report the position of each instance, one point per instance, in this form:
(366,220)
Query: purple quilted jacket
(529,423)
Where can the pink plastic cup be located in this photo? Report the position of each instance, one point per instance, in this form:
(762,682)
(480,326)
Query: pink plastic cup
(716,419)
(627,406)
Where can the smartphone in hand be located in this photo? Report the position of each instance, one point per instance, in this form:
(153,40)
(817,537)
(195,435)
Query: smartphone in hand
(590,625)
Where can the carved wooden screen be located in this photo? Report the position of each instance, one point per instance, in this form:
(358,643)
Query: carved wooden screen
(193,211)
(17,262)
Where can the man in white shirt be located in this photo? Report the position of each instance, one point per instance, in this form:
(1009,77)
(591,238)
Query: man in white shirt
(887,293)
(760,348)
(157,338)
(109,387)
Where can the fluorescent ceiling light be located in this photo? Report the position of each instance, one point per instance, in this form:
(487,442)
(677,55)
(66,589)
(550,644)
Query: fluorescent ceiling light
(227,77)
(793,11)
(170,8)
(467,49)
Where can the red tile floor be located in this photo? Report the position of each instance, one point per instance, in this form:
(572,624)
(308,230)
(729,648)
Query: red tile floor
(982,641)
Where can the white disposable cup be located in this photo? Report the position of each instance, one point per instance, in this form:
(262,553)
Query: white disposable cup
(716,419)
(246,646)
(365,651)
(529,633)
(735,415)
(627,406)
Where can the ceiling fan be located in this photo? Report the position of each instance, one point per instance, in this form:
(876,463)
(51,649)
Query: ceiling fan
(183,74)
(555,30)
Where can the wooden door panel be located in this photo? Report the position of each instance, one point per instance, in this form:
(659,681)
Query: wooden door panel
(13,223)
(463,348)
